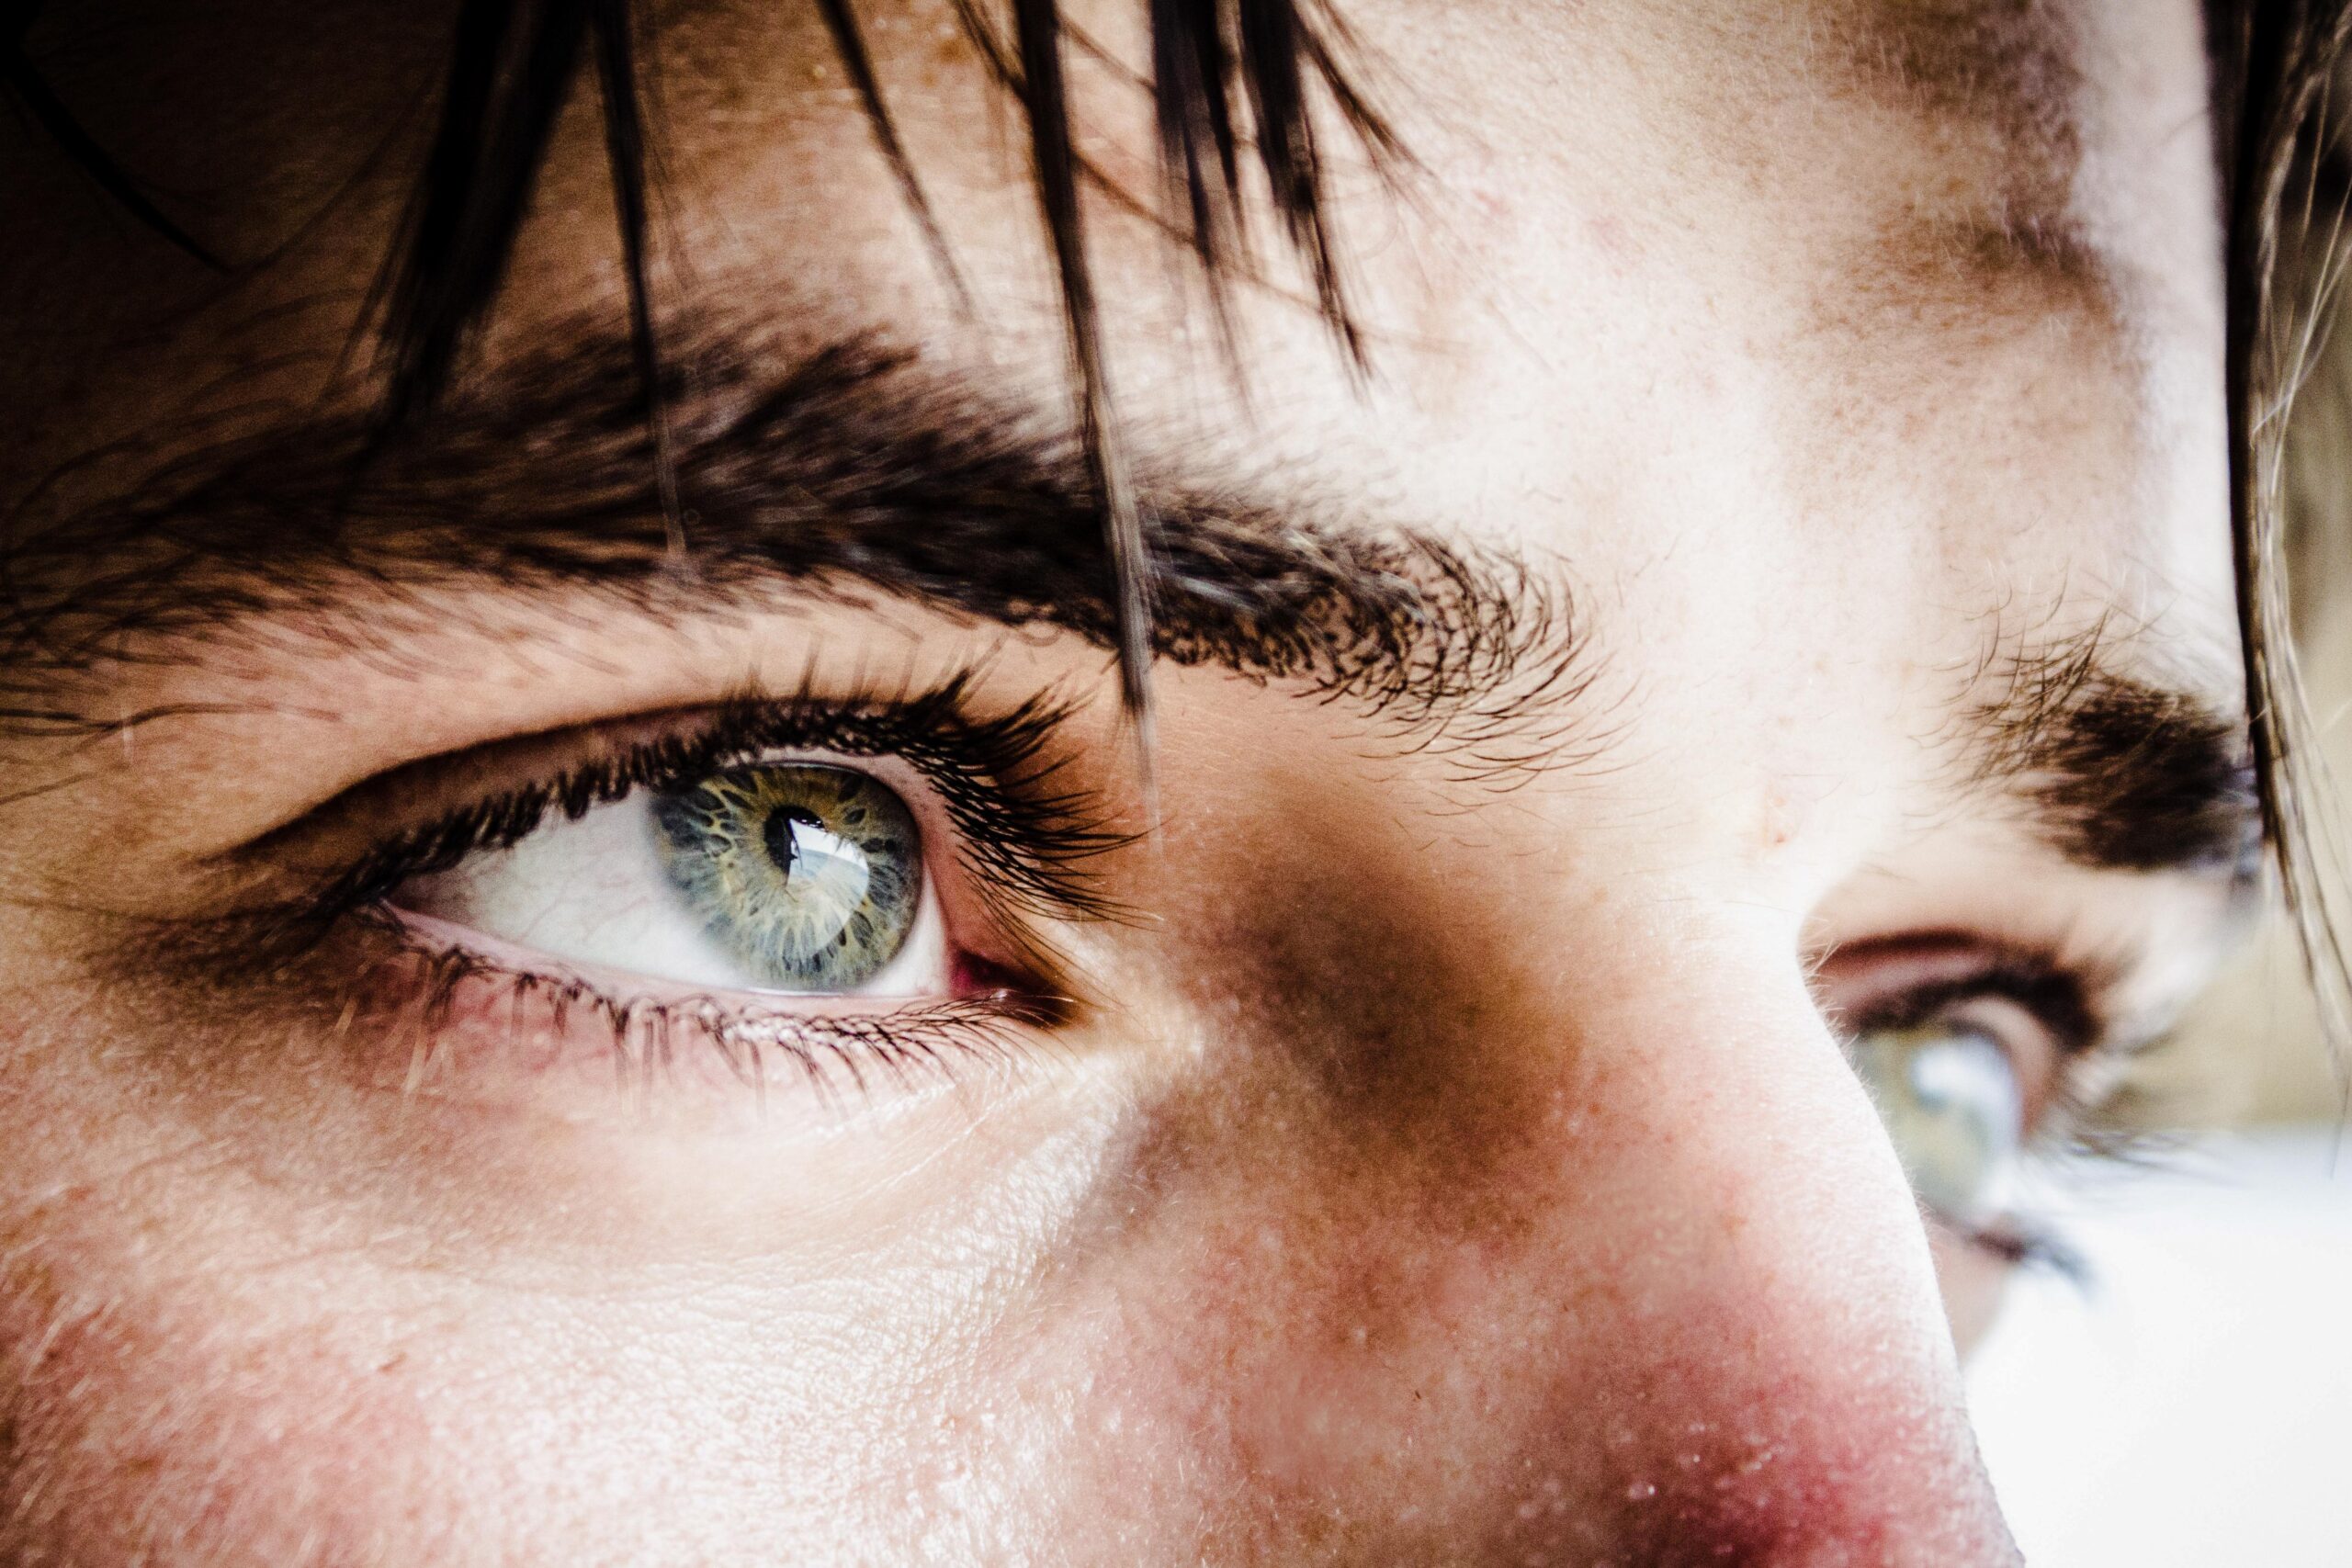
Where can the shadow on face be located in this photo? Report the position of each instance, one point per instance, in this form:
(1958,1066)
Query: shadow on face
(583,997)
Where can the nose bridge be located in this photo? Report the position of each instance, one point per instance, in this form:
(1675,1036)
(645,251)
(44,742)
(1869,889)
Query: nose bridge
(1748,1316)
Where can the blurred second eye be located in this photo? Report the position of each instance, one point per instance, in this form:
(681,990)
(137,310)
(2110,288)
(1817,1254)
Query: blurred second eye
(1948,1095)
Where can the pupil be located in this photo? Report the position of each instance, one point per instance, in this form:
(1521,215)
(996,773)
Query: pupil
(783,834)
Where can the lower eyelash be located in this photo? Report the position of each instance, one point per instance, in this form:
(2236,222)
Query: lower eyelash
(427,986)
(2022,1242)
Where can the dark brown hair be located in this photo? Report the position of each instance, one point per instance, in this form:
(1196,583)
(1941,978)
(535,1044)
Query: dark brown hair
(2275,63)
(1236,79)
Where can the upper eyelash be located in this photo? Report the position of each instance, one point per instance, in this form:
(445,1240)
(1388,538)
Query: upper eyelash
(1028,843)
(2064,1001)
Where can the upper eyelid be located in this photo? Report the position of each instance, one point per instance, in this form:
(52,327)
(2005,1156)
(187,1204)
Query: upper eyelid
(2055,999)
(424,786)
(1059,827)
(2070,993)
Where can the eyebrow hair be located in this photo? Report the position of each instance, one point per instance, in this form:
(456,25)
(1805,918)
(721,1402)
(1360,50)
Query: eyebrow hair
(857,470)
(1227,76)
(2119,772)
(2007,78)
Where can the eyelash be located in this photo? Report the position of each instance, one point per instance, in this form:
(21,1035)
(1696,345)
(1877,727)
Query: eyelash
(1026,843)
(2061,997)
(906,1045)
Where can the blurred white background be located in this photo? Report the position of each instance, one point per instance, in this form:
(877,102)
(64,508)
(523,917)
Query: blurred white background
(2192,1406)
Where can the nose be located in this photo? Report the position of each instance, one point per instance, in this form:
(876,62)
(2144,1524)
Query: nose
(1620,1270)
(1707,1304)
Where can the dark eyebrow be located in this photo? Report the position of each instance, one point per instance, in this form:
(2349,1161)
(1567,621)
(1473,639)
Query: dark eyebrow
(858,470)
(2119,772)
(852,470)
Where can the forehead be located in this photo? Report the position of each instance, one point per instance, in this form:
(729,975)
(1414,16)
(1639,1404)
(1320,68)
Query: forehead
(1865,282)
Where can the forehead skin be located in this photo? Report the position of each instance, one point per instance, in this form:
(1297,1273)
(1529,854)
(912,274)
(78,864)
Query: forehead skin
(1803,219)
(1822,348)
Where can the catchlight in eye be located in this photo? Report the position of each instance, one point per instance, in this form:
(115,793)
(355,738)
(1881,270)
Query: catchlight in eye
(809,875)
(1950,1098)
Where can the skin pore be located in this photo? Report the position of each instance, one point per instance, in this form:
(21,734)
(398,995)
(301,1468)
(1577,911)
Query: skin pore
(1787,494)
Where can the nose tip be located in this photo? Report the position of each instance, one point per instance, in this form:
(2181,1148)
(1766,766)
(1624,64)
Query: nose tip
(1758,1499)
(1759,1359)
(1742,1441)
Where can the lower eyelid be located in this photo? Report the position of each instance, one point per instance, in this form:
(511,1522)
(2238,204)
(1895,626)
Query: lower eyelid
(446,1014)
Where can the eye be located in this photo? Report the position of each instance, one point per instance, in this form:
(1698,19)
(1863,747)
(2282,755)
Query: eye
(809,876)
(781,876)
(1948,1091)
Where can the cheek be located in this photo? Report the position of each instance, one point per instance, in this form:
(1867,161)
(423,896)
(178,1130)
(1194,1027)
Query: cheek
(1575,1332)
(145,1417)
(293,1411)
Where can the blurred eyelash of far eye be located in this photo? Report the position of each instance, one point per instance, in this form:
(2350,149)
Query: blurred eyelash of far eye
(2075,1119)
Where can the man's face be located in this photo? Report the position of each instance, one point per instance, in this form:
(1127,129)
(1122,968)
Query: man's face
(1737,703)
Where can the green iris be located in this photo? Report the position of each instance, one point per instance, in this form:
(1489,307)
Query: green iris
(1949,1100)
(809,876)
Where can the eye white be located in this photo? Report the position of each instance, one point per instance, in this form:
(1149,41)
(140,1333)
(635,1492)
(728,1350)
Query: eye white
(593,891)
